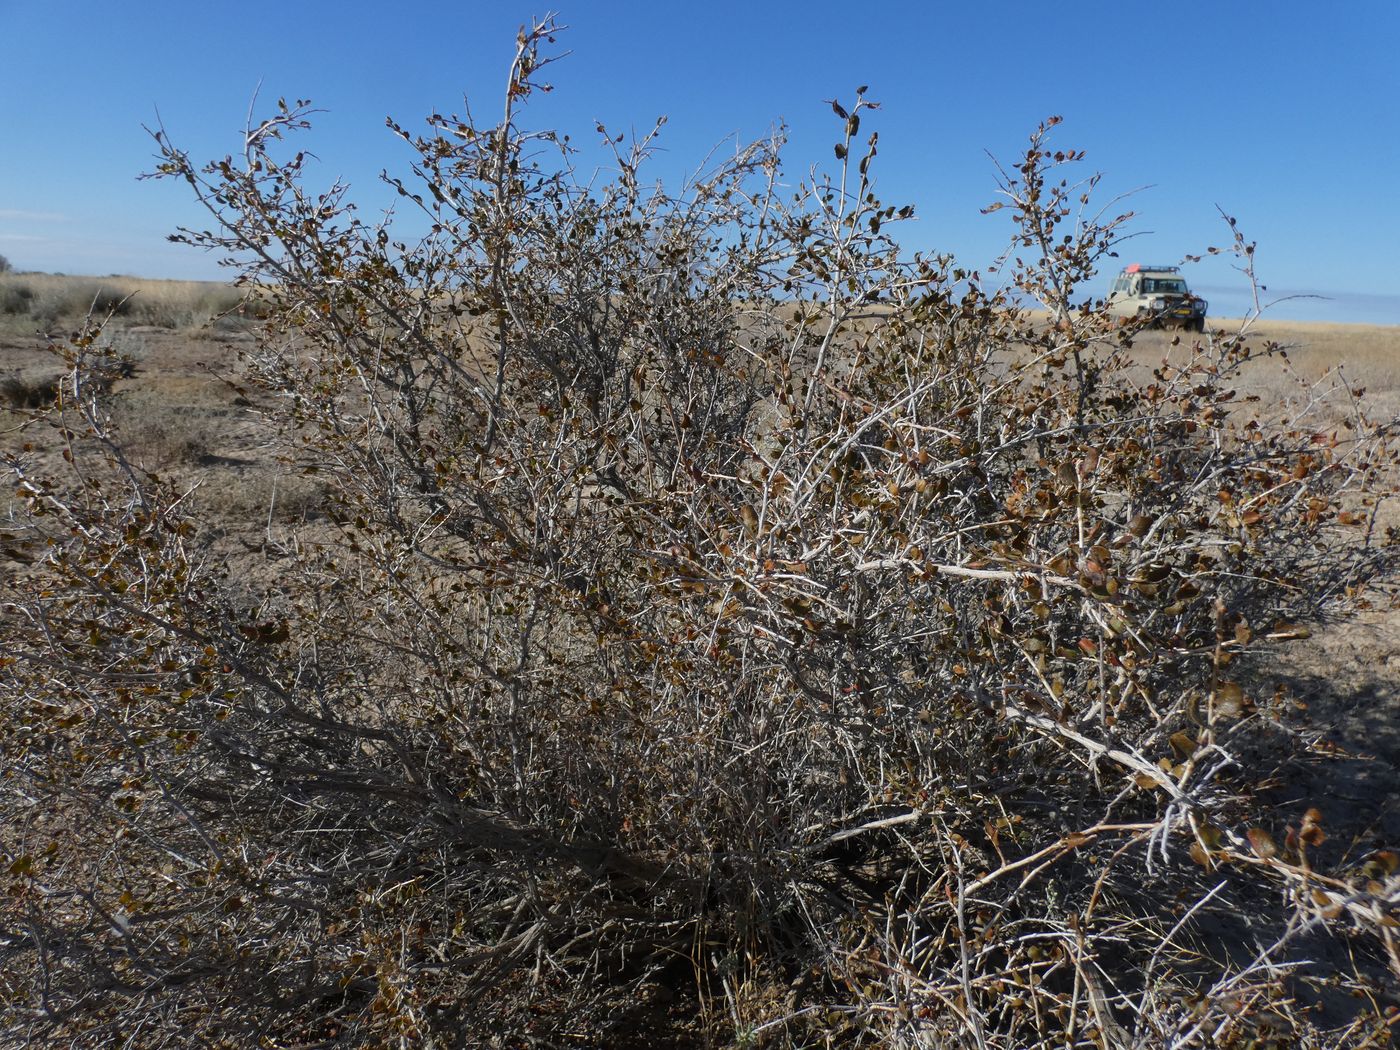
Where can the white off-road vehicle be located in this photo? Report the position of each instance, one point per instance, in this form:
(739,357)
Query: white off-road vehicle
(1156,296)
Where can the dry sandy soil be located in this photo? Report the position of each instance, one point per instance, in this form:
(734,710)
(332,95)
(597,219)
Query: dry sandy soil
(181,416)
(1343,682)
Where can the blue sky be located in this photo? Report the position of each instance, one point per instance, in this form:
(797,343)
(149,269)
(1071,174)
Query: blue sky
(1286,114)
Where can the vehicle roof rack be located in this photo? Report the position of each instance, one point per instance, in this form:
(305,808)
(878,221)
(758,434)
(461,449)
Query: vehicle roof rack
(1146,267)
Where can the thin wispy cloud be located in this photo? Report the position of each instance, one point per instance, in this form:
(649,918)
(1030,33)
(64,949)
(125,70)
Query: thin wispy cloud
(20,215)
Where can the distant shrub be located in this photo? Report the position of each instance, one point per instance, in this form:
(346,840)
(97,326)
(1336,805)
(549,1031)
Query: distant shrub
(29,391)
(15,299)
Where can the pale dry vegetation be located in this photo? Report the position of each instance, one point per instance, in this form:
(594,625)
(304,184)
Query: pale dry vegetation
(1364,357)
(58,303)
(760,637)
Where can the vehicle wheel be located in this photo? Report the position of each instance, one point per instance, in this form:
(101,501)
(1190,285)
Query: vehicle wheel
(1199,324)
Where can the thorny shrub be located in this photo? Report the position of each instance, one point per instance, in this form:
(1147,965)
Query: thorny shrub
(725,627)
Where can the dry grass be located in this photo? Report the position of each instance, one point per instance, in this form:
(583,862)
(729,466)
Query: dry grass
(31,300)
(1366,357)
(1370,353)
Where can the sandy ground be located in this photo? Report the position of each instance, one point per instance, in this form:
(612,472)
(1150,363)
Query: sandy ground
(1343,683)
(1348,675)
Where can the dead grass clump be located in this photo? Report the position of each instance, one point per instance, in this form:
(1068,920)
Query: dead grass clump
(176,440)
(162,429)
(261,497)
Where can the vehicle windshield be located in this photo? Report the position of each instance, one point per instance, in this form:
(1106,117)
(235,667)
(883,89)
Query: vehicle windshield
(1164,286)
